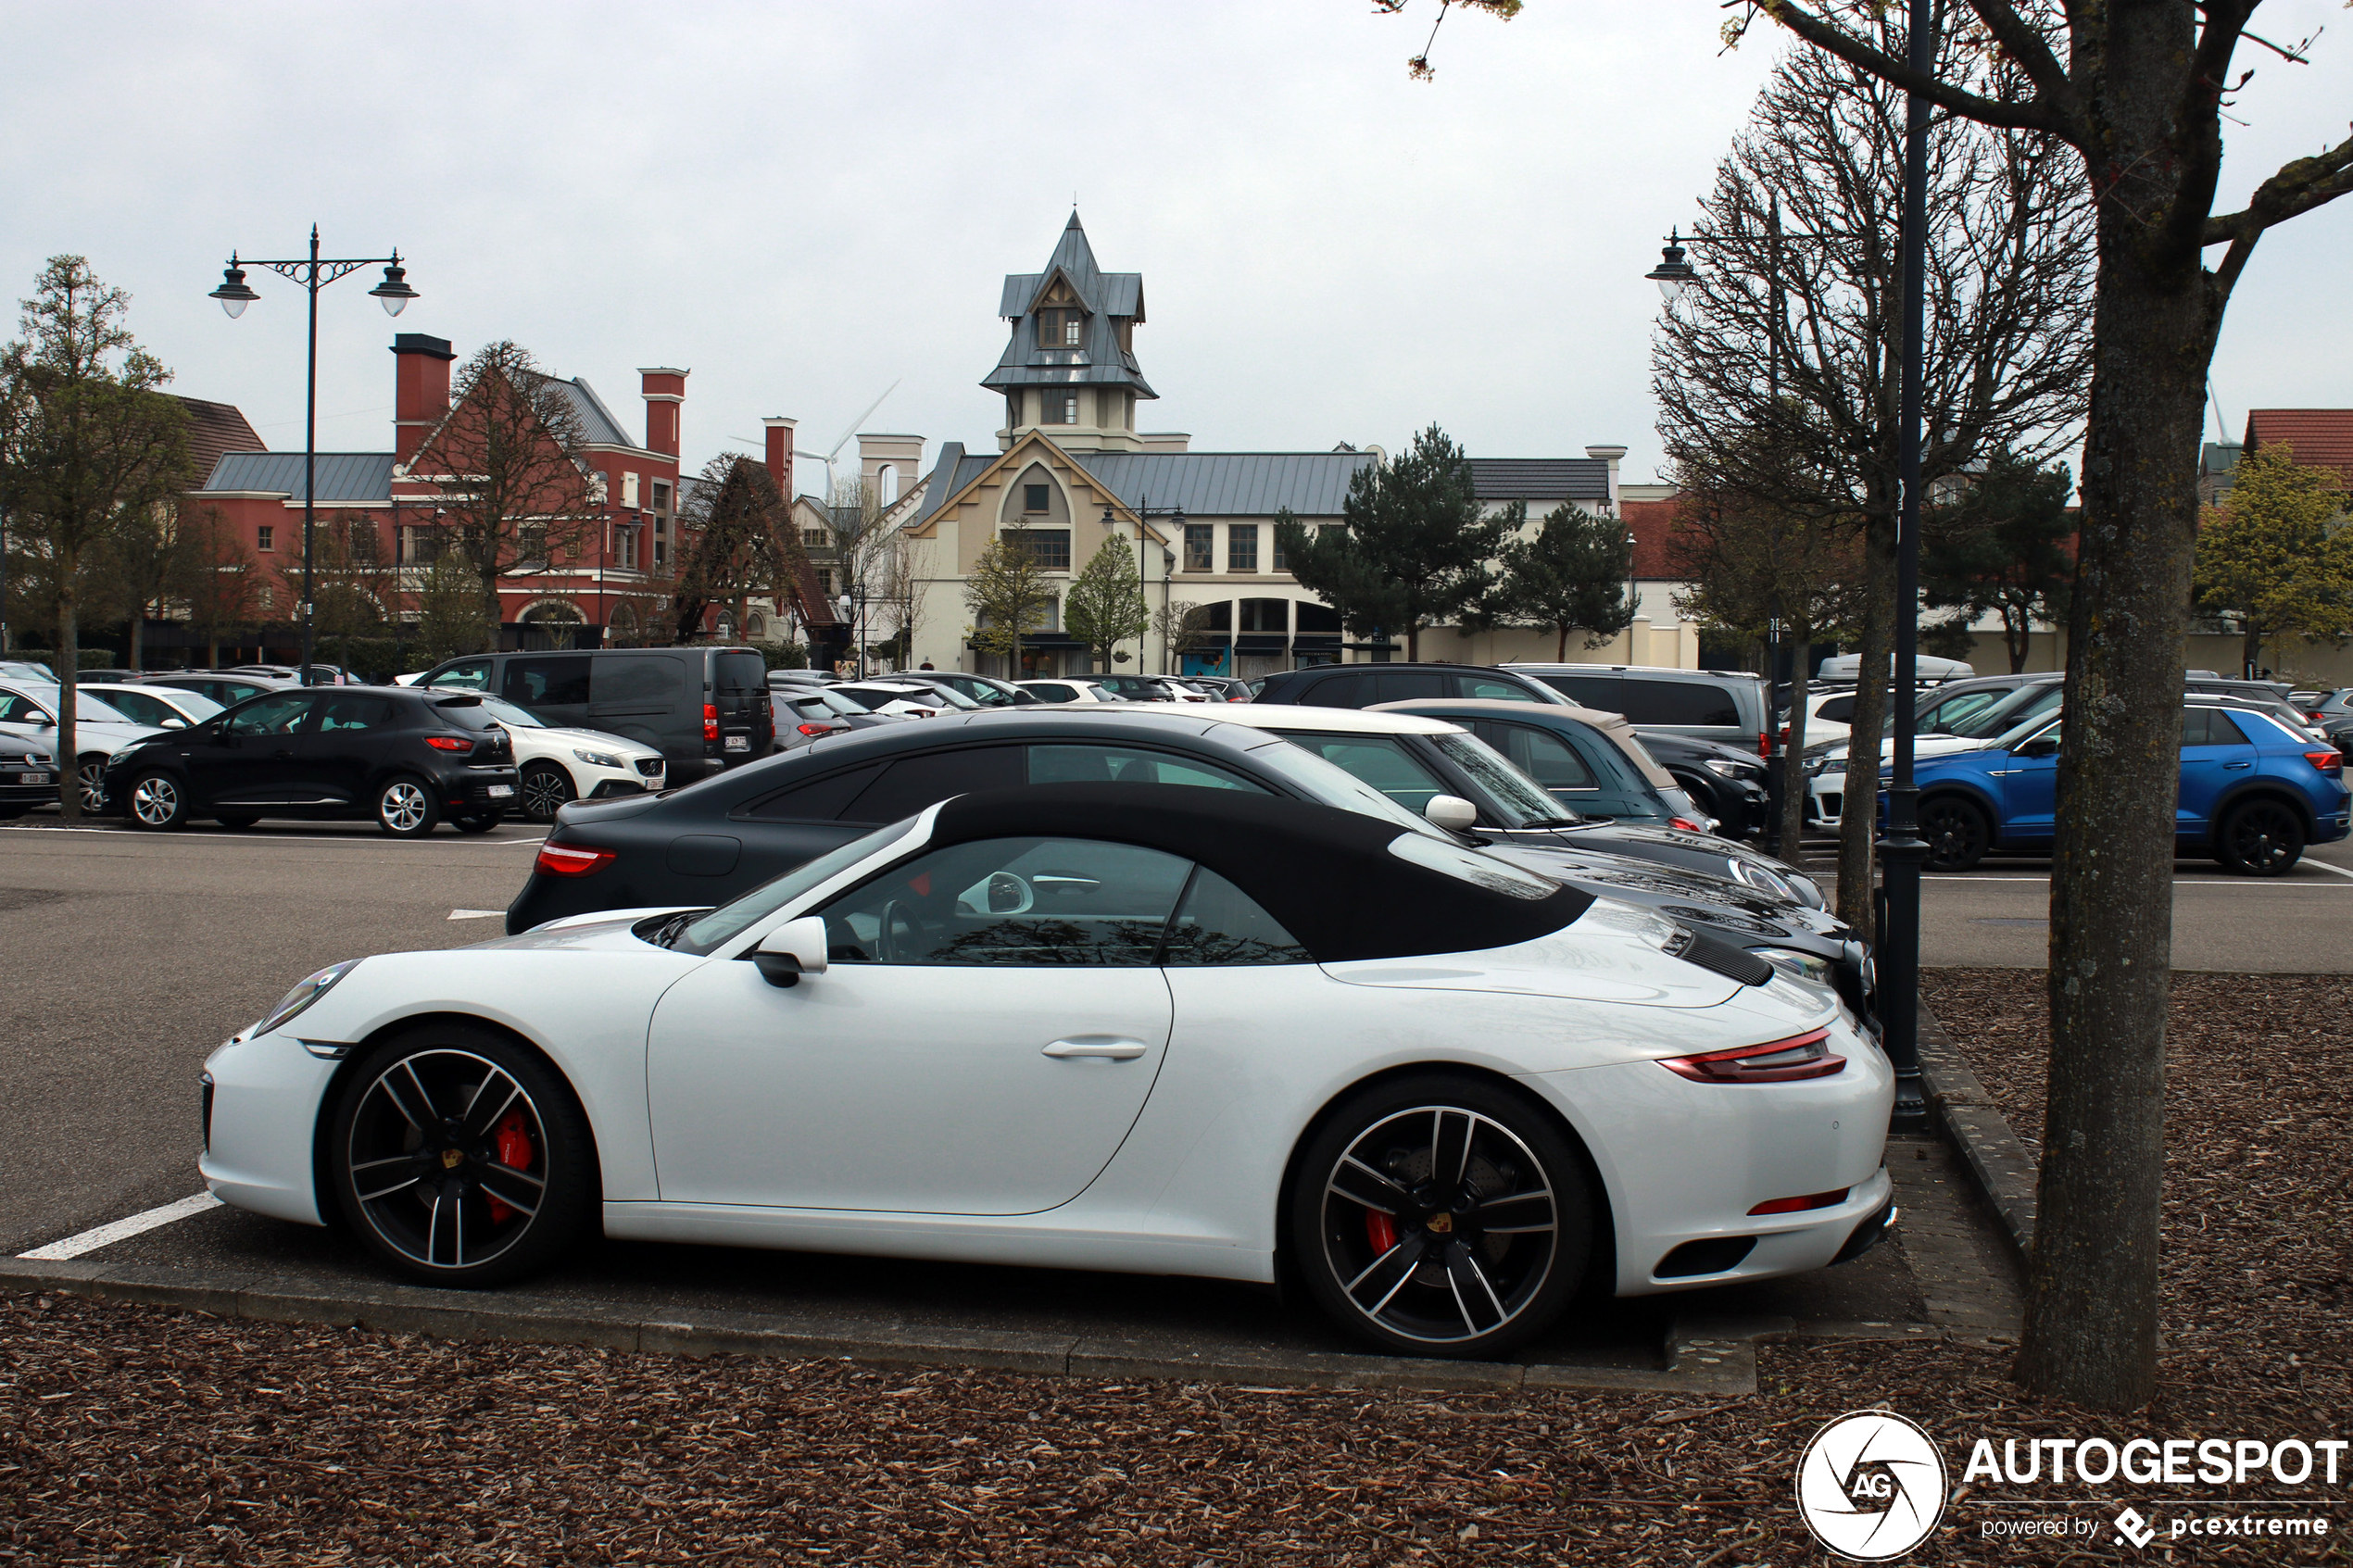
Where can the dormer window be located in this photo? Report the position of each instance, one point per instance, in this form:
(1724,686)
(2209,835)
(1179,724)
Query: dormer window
(1060,329)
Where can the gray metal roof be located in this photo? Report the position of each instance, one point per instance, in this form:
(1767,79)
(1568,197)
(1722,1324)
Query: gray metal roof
(598,428)
(1098,359)
(1229,483)
(1541,479)
(343,476)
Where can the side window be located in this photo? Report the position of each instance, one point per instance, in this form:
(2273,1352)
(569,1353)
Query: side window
(546,683)
(1120,764)
(1352,690)
(141,708)
(1587,691)
(1218,923)
(1487,689)
(1378,761)
(1027,901)
(1054,692)
(910,783)
(270,715)
(1679,702)
(2209,726)
(472,675)
(1954,710)
(1543,756)
(15,710)
(651,679)
(1838,710)
(343,713)
(1410,686)
(820,801)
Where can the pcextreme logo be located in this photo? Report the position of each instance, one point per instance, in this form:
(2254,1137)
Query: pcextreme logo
(1871,1485)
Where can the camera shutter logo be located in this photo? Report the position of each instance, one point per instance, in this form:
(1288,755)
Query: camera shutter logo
(1871,1485)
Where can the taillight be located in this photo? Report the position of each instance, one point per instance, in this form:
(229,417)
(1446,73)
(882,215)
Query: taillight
(570,859)
(2327,761)
(449,743)
(1764,744)
(1776,1061)
(1685,823)
(1799,1205)
(709,721)
(815,729)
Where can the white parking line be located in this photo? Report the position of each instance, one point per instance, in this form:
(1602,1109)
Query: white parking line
(122,1230)
(2326,867)
(475,915)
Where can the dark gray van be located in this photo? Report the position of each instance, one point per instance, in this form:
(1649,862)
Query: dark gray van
(704,709)
(1724,706)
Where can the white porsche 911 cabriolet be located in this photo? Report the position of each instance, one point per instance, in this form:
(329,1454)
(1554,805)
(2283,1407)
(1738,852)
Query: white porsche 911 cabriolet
(1135,1027)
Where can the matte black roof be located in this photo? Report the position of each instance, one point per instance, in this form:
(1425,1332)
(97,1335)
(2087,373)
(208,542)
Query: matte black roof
(1540,479)
(1326,874)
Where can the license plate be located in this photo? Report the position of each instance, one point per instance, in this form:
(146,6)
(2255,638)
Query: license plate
(500,792)
(739,742)
(32,778)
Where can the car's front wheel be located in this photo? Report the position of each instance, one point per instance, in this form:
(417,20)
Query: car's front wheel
(405,808)
(545,788)
(93,772)
(157,801)
(1957,833)
(460,1158)
(1439,1215)
(2260,838)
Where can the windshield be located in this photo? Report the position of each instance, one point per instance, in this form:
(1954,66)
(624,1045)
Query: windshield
(953,698)
(88,710)
(1511,793)
(2011,739)
(1331,785)
(507,713)
(730,920)
(2027,702)
(468,713)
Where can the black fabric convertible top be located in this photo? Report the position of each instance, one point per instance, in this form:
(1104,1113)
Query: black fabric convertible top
(1328,875)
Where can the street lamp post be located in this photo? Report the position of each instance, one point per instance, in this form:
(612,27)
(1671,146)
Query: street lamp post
(1900,848)
(1175,516)
(313,273)
(855,611)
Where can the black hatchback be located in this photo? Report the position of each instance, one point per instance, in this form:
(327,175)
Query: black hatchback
(408,759)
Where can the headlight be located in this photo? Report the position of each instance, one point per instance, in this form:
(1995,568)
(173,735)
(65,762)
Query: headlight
(302,996)
(597,759)
(1809,891)
(1763,881)
(1814,765)
(1730,768)
(1796,965)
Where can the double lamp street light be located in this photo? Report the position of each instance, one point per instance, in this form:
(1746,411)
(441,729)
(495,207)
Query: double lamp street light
(313,273)
(1900,848)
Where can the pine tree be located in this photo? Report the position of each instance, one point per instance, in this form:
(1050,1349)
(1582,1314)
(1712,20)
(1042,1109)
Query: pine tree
(1105,606)
(2004,547)
(1572,576)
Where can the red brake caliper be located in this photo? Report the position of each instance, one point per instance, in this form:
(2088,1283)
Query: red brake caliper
(512,1139)
(1380,1230)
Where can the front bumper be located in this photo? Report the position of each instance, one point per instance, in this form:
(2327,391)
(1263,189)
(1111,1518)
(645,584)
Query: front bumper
(261,1119)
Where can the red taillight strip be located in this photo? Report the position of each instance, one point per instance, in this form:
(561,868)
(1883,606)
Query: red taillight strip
(2327,761)
(449,743)
(570,859)
(1775,1062)
(709,721)
(1799,1205)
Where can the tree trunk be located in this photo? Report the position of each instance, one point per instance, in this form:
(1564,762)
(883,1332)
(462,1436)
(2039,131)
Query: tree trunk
(1414,641)
(1858,822)
(1560,648)
(68,667)
(132,661)
(1793,760)
(2091,1304)
(2017,636)
(2251,648)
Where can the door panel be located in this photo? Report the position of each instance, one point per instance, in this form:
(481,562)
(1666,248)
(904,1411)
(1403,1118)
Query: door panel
(2030,790)
(2216,756)
(909,1089)
(255,755)
(345,746)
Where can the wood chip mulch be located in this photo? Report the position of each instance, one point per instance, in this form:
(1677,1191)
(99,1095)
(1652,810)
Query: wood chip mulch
(130,1433)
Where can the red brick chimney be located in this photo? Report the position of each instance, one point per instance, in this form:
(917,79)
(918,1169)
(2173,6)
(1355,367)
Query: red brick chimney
(420,390)
(780,455)
(664,390)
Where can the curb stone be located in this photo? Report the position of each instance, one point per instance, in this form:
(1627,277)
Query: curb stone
(1704,1356)
(1999,1166)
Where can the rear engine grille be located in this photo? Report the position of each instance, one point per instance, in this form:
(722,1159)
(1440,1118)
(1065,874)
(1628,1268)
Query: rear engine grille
(1733,964)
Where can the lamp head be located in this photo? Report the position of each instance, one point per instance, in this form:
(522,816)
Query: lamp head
(393,293)
(1673,274)
(232,294)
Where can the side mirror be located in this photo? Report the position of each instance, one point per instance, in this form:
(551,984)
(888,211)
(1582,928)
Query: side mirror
(1451,811)
(793,949)
(1027,699)
(42,721)
(175,724)
(2041,746)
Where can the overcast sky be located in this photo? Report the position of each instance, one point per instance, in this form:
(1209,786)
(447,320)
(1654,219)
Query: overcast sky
(806,202)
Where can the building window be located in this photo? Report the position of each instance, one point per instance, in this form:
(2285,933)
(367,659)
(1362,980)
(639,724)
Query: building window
(826,582)
(1061,328)
(1279,563)
(1265,615)
(661,502)
(1200,546)
(1058,409)
(1050,547)
(629,490)
(1242,547)
(626,547)
(1036,497)
(816,538)
(265,537)
(420,547)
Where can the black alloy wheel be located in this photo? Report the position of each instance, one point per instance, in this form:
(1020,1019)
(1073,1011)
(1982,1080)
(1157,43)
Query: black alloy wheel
(545,788)
(1957,833)
(460,1158)
(156,801)
(92,773)
(2261,838)
(1441,1216)
(405,806)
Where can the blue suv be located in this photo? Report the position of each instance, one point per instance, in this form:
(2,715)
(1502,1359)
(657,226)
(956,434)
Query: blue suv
(2252,794)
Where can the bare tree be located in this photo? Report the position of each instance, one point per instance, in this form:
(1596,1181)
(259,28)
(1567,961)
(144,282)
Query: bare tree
(214,577)
(1777,371)
(516,494)
(741,547)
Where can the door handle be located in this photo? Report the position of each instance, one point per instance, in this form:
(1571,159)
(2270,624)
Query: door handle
(1114,1050)
(2233,767)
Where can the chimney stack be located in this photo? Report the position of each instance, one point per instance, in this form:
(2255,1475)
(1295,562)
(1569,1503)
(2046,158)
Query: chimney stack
(780,455)
(420,390)
(664,390)
(1609,454)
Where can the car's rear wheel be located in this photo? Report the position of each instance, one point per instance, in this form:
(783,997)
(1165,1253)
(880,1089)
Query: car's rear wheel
(1957,833)
(2260,838)
(1439,1215)
(405,808)
(460,1158)
(157,801)
(545,788)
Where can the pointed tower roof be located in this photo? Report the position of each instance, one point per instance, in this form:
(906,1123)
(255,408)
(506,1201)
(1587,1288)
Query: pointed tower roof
(1107,299)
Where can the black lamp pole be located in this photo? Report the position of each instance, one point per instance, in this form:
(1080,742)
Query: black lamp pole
(1175,516)
(313,273)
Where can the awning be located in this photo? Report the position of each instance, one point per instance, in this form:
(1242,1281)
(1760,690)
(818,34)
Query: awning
(1260,645)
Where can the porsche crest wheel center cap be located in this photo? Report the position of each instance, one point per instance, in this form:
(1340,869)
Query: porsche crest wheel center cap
(1440,1223)
(450,1157)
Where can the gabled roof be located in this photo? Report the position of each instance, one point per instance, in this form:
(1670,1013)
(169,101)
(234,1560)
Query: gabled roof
(1097,361)
(1541,479)
(213,429)
(347,477)
(598,426)
(1206,484)
(2320,437)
